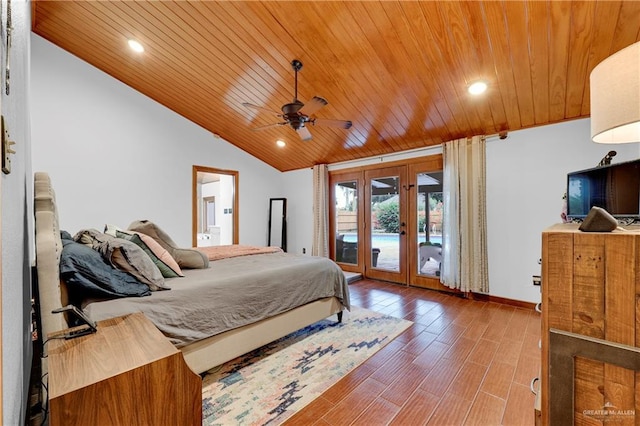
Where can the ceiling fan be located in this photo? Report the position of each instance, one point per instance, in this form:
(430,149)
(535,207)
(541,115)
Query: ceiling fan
(298,115)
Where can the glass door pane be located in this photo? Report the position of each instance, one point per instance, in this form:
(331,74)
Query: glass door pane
(346,222)
(385,248)
(426,217)
(385,223)
(430,213)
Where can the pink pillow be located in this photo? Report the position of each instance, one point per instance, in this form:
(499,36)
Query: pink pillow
(160,252)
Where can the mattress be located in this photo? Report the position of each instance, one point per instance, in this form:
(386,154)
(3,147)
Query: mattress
(231,293)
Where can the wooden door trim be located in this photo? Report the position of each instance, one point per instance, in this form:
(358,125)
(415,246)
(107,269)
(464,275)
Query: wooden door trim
(195,200)
(382,165)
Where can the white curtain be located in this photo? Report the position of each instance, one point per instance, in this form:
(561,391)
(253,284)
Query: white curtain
(464,230)
(320,245)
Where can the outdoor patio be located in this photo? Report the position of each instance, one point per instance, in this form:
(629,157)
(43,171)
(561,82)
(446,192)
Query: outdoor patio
(388,244)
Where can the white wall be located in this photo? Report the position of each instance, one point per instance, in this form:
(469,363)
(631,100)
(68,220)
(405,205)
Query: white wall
(17,227)
(115,155)
(298,190)
(526,179)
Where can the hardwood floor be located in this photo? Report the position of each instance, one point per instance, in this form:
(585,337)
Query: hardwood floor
(461,362)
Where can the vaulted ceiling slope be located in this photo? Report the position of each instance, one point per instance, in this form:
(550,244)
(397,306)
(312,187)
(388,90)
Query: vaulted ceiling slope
(398,70)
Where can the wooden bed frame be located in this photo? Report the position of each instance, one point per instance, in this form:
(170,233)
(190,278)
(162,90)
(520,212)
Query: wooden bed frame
(200,356)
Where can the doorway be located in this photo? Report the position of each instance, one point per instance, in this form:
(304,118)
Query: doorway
(214,207)
(387,221)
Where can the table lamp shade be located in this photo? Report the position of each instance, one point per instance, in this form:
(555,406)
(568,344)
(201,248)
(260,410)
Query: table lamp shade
(615,97)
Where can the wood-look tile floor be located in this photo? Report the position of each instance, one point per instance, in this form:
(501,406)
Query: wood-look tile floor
(462,362)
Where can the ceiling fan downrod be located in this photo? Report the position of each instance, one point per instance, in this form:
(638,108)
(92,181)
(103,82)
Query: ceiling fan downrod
(297,66)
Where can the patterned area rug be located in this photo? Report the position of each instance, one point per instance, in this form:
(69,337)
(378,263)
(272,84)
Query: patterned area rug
(270,384)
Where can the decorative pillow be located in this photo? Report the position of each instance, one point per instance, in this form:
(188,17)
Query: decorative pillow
(86,274)
(186,258)
(162,259)
(126,256)
(120,262)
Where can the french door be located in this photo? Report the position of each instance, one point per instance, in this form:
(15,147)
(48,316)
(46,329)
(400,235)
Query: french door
(387,221)
(385,224)
(426,212)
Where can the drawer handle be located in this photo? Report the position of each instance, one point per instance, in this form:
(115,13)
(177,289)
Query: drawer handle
(532,386)
(538,307)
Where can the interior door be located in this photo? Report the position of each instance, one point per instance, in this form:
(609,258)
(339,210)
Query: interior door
(385,224)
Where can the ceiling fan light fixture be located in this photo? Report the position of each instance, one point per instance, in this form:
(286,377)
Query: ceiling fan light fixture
(281,143)
(135,45)
(477,88)
(298,115)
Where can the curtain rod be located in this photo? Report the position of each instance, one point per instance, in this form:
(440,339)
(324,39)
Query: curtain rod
(500,135)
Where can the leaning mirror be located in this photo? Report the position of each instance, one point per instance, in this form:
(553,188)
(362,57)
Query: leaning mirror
(278,223)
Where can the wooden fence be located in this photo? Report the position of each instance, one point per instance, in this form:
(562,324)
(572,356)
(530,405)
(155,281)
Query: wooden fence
(347,221)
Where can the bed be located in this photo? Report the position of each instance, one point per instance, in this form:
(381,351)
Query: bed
(223,331)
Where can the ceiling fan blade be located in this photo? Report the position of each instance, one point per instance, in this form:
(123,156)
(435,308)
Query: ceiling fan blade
(268,126)
(344,124)
(313,105)
(248,105)
(304,133)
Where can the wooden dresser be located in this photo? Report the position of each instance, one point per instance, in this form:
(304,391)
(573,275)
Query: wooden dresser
(127,373)
(590,326)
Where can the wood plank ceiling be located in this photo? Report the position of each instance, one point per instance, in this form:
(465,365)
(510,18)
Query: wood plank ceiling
(398,69)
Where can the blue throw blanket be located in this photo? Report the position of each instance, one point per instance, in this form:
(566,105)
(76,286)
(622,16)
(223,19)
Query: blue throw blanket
(87,275)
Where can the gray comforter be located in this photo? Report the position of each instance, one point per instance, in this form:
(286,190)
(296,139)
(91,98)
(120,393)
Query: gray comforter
(231,293)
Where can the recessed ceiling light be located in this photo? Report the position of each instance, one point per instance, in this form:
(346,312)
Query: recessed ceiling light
(477,88)
(280,143)
(136,46)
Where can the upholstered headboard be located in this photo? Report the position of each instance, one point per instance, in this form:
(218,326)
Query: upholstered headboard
(52,293)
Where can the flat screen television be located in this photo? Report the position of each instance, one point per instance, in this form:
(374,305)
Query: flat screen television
(615,188)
